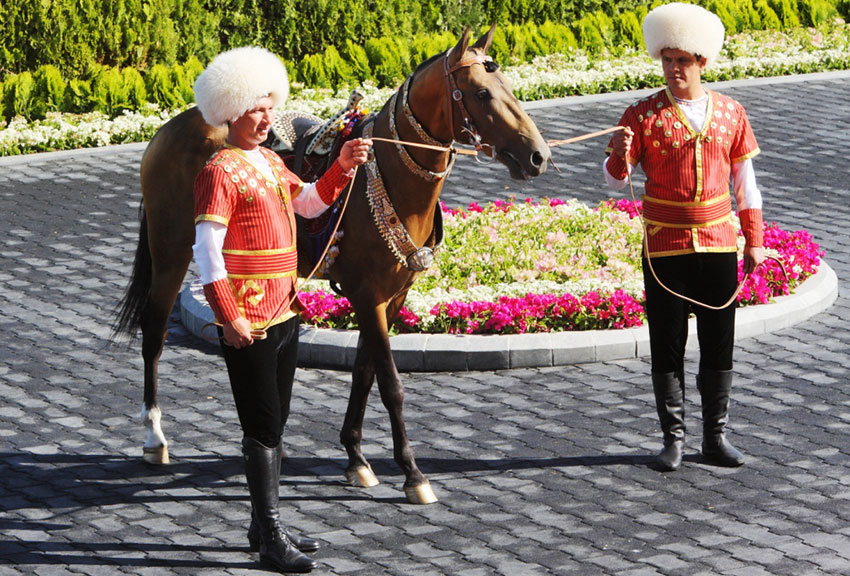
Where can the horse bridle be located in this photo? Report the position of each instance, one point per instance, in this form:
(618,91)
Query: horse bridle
(389,225)
(456,97)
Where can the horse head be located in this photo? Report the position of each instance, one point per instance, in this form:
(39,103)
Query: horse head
(478,107)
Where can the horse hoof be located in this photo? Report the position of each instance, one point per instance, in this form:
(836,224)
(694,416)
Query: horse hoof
(361,476)
(421,494)
(155,454)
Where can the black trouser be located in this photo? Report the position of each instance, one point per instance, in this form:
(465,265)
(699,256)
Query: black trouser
(261,378)
(705,277)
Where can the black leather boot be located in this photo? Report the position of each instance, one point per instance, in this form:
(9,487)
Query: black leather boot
(669,388)
(714,387)
(303,543)
(262,469)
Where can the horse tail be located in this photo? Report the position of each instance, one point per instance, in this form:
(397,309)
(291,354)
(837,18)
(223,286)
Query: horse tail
(129,312)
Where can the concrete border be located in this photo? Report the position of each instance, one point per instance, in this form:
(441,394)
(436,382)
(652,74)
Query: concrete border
(335,349)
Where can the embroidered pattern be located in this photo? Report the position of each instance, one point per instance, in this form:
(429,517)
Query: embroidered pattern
(405,156)
(389,225)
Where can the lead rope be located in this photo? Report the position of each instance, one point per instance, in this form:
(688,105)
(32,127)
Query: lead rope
(260,333)
(731,299)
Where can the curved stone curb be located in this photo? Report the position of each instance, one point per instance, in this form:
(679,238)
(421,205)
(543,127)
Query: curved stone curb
(335,349)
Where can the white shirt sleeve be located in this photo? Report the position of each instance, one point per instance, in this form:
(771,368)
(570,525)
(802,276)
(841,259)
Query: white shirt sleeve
(747,194)
(209,241)
(613,182)
(308,203)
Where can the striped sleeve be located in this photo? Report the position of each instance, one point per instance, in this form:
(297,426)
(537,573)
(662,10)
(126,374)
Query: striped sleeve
(215,195)
(617,167)
(332,183)
(744,145)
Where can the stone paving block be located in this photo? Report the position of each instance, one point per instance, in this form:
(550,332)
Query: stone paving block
(538,470)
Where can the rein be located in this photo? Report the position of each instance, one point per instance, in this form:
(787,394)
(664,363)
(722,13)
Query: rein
(553,143)
(260,333)
(455,95)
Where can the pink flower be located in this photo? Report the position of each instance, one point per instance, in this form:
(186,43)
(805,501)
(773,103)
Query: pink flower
(799,254)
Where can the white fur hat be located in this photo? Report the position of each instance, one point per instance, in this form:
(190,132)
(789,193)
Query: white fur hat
(235,80)
(685,27)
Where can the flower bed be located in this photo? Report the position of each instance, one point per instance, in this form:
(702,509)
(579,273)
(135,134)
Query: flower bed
(512,268)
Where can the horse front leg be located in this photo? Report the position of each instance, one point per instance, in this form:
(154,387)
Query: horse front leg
(373,331)
(358,472)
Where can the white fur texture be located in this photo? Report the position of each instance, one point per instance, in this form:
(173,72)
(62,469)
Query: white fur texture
(685,27)
(235,80)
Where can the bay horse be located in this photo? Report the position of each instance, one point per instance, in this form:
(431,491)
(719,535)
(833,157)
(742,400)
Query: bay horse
(456,96)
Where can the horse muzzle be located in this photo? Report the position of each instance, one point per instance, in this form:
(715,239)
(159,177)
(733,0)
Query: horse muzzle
(527,164)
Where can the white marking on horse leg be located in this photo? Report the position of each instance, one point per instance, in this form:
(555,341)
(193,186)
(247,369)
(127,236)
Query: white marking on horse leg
(155,450)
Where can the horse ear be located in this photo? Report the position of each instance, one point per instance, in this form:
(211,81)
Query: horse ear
(486,40)
(460,48)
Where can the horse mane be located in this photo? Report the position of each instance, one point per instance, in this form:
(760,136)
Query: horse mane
(428,62)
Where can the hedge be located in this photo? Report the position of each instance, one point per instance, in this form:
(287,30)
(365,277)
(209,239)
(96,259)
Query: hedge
(83,55)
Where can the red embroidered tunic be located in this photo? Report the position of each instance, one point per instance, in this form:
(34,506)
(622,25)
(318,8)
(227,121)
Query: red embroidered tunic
(687,206)
(259,249)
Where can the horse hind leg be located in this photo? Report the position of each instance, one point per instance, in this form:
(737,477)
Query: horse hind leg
(155,449)
(154,325)
(359,472)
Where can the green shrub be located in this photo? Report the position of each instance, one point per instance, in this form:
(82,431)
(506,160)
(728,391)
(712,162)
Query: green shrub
(500,50)
(554,38)
(786,10)
(337,70)
(508,45)
(628,29)
(358,61)
(311,71)
(134,88)
(389,59)
(18,92)
(160,87)
(49,90)
(590,36)
(182,82)
(108,94)
(769,19)
(817,12)
(193,68)
(733,13)
(426,45)
(78,96)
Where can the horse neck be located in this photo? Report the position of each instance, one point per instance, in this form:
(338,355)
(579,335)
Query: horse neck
(413,197)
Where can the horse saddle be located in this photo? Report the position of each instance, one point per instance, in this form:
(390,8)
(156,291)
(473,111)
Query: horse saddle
(300,137)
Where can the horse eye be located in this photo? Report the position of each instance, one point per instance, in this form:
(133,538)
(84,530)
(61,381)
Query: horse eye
(491,66)
(483,94)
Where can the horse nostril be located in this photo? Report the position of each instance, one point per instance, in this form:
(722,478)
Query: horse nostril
(536,159)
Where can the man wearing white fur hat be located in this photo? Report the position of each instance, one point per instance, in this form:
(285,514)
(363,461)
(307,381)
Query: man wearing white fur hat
(690,143)
(245,201)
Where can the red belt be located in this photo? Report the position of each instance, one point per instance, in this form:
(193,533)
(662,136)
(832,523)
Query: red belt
(261,264)
(670,214)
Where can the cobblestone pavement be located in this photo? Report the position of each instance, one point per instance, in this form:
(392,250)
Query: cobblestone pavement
(539,471)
